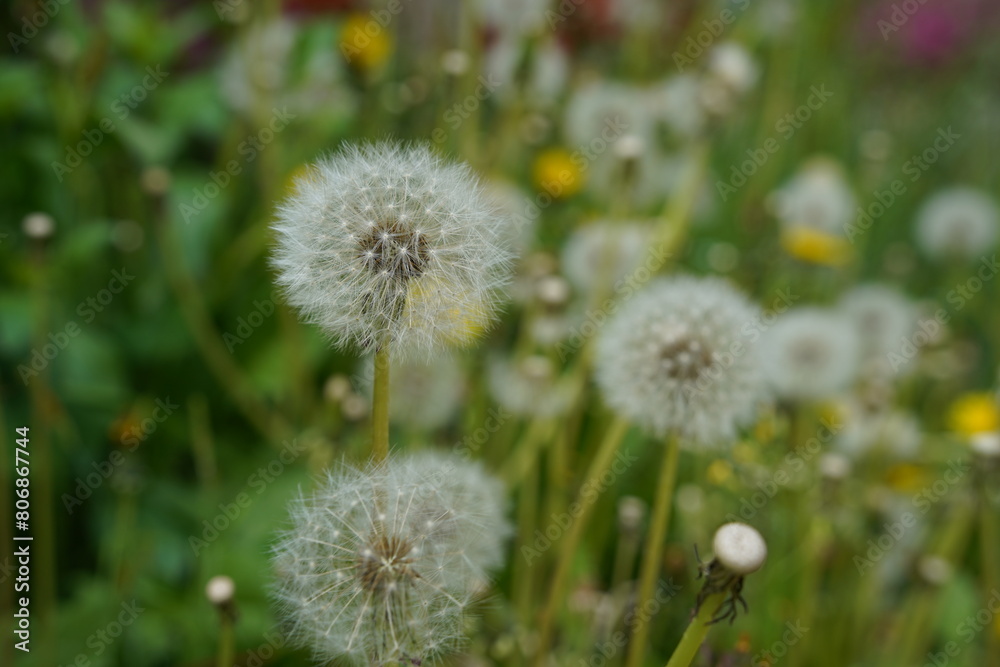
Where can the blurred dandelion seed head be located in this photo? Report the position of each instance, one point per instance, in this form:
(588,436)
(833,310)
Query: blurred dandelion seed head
(958,222)
(386,242)
(811,354)
(674,358)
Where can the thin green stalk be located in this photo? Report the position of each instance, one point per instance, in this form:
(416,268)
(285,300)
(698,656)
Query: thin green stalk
(585,501)
(696,631)
(380,405)
(989,544)
(653,552)
(226,652)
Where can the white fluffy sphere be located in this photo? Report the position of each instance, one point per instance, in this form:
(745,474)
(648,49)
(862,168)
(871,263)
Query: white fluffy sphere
(385,243)
(680,356)
(739,548)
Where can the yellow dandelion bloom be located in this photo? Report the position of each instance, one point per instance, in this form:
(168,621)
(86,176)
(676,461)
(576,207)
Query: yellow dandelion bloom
(556,173)
(816,247)
(364,42)
(975,412)
(905,477)
(719,471)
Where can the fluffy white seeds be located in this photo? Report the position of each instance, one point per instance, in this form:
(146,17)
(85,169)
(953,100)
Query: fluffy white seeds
(384,243)
(817,197)
(677,357)
(603,252)
(884,318)
(811,354)
(381,564)
(739,548)
(958,222)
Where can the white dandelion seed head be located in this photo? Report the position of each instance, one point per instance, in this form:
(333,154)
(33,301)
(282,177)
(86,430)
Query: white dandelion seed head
(677,357)
(817,197)
(529,386)
(388,242)
(865,427)
(810,354)
(422,395)
(958,222)
(600,104)
(602,252)
(675,102)
(732,65)
(986,444)
(883,317)
(740,548)
(381,564)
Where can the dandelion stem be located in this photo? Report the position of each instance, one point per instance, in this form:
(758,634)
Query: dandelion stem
(225,653)
(653,552)
(696,631)
(567,549)
(380,405)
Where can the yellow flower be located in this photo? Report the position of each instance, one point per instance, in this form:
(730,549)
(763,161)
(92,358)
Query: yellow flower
(364,42)
(905,477)
(974,413)
(556,173)
(719,471)
(816,247)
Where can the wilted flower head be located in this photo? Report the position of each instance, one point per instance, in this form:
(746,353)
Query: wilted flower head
(381,563)
(383,242)
(958,222)
(811,353)
(679,356)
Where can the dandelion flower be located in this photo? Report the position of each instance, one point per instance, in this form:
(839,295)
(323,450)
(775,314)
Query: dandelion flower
(811,354)
(383,243)
(974,412)
(678,356)
(381,564)
(958,222)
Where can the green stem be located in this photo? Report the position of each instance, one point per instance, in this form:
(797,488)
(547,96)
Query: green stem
(380,405)
(567,549)
(990,552)
(226,641)
(653,552)
(696,631)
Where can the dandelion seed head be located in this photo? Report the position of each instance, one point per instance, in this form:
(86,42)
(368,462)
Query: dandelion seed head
(381,563)
(810,354)
(677,357)
(387,242)
(958,222)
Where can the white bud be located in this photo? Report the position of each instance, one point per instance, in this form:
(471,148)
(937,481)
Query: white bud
(739,548)
(220,590)
(38,225)
(986,444)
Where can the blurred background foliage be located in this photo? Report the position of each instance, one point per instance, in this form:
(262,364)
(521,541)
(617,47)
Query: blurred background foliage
(149,143)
